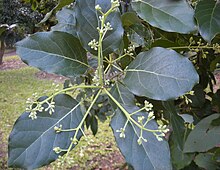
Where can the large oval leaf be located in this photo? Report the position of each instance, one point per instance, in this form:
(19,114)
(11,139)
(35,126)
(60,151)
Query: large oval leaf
(54,52)
(172,16)
(208,17)
(31,142)
(160,74)
(204,136)
(66,21)
(151,155)
(88,20)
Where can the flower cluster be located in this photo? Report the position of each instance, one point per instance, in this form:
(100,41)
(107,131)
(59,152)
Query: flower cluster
(58,129)
(93,44)
(34,106)
(115,4)
(185,97)
(122,132)
(50,107)
(96,78)
(130,50)
(162,129)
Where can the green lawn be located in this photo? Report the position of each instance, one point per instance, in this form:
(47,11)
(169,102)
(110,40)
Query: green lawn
(15,87)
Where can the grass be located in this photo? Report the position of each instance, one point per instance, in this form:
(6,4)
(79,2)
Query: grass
(15,87)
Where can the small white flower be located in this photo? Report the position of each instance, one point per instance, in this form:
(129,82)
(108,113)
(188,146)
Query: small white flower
(107,26)
(57,150)
(50,107)
(98,8)
(140,119)
(33,115)
(122,132)
(93,44)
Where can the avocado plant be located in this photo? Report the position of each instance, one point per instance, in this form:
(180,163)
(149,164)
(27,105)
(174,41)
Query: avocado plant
(147,65)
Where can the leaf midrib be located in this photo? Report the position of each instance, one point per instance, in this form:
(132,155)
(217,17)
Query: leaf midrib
(48,130)
(58,55)
(162,11)
(157,74)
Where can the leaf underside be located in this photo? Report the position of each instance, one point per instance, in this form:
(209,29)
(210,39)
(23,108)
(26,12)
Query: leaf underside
(31,142)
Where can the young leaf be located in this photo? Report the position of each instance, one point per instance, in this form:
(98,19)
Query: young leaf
(152,154)
(66,21)
(31,142)
(160,74)
(208,16)
(88,20)
(171,16)
(204,136)
(54,52)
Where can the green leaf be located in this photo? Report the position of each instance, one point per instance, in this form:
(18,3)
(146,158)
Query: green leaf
(171,16)
(205,160)
(208,16)
(160,74)
(129,18)
(31,142)
(139,35)
(123,95)
(88,20)
(204,136)
(177,138)
(177,123)
(59,6)
(54,52)
(66,21)
(152,154)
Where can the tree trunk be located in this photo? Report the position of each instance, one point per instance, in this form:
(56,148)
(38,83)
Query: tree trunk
(2,51)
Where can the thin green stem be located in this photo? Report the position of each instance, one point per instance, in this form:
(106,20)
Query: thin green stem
(138,111)
(107,68)
(128,116)
(117,68)
(67,89)
(79,127)
(119,58)
(191,47)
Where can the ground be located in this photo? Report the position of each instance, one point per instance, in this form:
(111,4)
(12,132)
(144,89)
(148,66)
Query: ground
(98,153)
